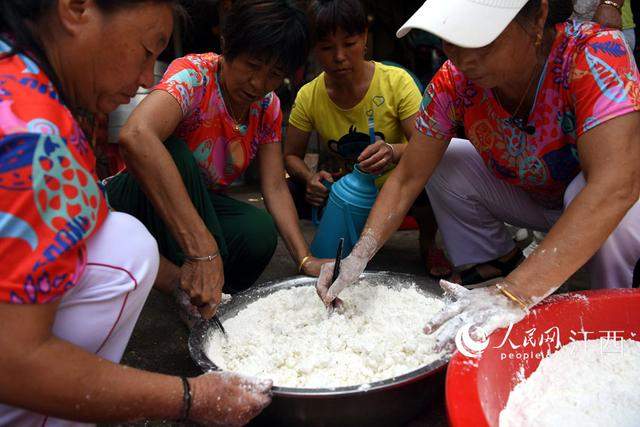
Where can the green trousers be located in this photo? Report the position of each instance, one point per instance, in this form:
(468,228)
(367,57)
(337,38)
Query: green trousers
(246,235)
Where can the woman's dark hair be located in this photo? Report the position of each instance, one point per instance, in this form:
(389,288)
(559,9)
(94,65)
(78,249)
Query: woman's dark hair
(270,30)
(559,11)
(19,17)
(327,16)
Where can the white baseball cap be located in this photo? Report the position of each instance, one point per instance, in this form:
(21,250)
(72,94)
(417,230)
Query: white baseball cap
(464,23)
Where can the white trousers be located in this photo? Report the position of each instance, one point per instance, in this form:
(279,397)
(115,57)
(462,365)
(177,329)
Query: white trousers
(471,207)
(99,313)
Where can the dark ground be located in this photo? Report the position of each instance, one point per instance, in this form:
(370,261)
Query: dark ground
(159,341)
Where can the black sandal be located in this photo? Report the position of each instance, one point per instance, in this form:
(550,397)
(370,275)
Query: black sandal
(472,276)
(436,258)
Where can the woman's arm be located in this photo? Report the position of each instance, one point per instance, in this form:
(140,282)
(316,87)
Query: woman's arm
(295,149)
(409,128)
(608,15)
(398,194)
(609,156)
(280,204)
(142,145)
(45,374)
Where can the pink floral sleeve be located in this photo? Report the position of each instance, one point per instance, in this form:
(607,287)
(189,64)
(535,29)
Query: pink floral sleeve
(186,80)
(271,126)
(438,116)
(603,81)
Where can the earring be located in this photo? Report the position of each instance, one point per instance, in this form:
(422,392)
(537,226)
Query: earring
(538,40)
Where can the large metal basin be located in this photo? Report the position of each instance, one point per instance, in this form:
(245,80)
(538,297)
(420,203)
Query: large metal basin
(390,402)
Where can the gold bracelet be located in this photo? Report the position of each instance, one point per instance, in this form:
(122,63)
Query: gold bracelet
(612,4)
(513,297)
(303,262)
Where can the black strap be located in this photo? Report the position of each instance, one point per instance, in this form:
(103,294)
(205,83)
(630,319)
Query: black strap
(186,401)
(471,276)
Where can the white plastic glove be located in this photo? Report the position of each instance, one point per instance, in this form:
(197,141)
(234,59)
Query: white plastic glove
(228,399)
(485,308)
(350,270)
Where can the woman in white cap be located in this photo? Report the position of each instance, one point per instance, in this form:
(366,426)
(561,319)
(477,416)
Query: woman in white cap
(550,110)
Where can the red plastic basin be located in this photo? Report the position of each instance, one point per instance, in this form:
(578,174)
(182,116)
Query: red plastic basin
(477,389)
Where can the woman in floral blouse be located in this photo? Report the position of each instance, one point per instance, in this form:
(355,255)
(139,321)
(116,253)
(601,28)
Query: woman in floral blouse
(550,108)
(196,133)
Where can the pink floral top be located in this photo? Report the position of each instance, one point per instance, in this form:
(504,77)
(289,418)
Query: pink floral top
(222,151)
(590,77)
(50,199)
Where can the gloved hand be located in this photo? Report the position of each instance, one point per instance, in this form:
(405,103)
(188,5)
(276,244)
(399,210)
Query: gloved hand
(228,399)
(350,270)
(485,308)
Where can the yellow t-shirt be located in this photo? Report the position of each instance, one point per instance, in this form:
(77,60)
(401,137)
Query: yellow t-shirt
(627,16)
(392,97)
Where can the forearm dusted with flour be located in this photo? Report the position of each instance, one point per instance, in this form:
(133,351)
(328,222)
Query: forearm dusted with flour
(47,375)
(593,214)
(398,194)
(420,160)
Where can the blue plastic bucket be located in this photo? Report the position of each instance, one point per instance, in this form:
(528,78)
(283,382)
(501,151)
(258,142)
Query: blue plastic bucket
(345,214)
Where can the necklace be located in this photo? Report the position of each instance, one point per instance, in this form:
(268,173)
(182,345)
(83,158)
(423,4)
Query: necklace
(519,122)
(238,126)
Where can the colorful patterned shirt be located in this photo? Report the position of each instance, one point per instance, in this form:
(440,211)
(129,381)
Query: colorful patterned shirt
(222,151)
(590,77)
(50,202)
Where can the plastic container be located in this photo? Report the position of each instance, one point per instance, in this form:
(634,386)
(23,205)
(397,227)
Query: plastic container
(477,390)
(345,214)
(119,117)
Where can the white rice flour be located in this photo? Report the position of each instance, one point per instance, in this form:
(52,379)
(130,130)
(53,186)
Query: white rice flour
(585,383)
(289,337)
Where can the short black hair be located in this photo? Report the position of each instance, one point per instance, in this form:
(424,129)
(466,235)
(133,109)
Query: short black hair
(327,16)
(270,30)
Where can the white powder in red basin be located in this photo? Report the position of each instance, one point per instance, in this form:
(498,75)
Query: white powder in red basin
(289,337)
(585,383)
